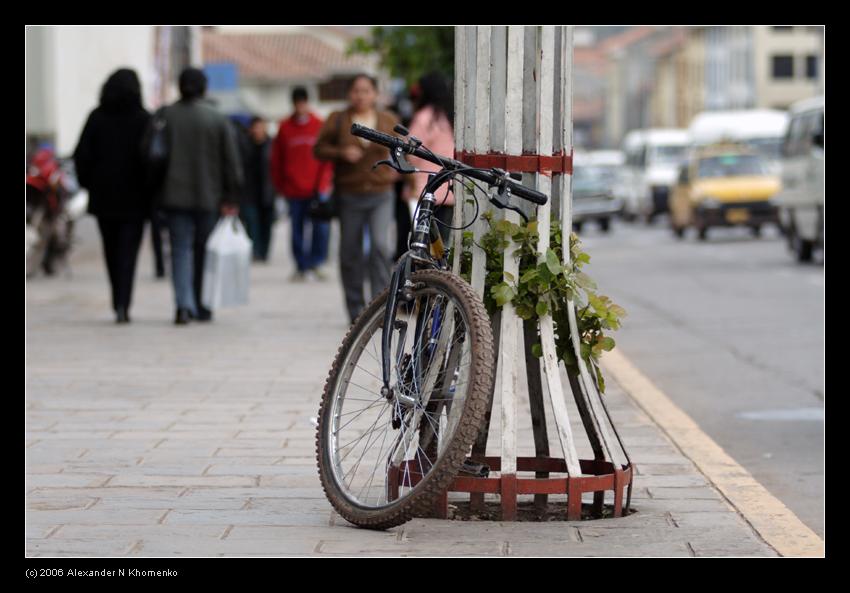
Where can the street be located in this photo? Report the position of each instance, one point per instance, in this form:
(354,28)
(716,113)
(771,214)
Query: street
(732,330)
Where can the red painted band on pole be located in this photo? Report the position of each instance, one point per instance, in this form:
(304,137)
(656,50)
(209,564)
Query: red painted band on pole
(525,163)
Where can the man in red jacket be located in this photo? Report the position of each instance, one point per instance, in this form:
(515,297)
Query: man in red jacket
(298,176)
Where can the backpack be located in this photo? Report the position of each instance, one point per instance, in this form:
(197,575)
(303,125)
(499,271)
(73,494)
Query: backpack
(156,150)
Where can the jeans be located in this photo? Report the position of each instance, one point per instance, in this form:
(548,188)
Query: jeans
(189,231)
(121,239)
(312,257)
(359,214)
(258,222)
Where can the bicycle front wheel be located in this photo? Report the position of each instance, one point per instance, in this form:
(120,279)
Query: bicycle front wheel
(385,457)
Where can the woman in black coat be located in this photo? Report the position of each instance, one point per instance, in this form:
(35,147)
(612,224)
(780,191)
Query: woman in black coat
(109,164)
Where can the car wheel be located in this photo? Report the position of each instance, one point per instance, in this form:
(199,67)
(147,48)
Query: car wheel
(605,224)
(804,249)
(756,230)
(702,233)
(577,226)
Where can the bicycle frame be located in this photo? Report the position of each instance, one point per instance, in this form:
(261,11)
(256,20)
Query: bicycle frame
(426,251)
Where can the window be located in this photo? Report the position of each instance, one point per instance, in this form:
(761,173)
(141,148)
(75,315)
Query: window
(731,165)
(783,66)
(795,142)
(811,66)
(814,128)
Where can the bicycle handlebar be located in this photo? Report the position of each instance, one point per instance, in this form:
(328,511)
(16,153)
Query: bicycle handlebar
(394,143)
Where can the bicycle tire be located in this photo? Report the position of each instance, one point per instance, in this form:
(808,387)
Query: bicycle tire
(481,374)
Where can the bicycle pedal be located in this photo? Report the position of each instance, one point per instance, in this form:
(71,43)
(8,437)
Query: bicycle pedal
(475,469)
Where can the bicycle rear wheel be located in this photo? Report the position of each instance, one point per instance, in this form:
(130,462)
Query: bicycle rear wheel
(385,458)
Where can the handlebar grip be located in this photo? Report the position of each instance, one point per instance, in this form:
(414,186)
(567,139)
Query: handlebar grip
(529,194)
(374,136)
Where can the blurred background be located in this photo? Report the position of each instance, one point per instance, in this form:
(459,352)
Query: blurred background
(698,187)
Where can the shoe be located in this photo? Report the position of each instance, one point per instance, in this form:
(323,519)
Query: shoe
(121,315)
(183,317)
(319,274)
(204,314)
(298,276)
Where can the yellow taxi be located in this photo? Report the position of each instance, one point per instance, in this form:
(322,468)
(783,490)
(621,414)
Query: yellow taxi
(724,185)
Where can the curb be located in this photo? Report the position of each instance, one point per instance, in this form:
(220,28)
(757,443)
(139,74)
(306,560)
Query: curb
(775,523)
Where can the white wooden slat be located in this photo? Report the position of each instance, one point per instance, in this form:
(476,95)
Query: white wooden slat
(563,142)
(459,88)
(498,86)
(507,101)
(545,48)
(514,91)
(480,128)
(591,391)
(482,89)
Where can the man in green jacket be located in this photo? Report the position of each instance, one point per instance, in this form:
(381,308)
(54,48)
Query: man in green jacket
(203,179)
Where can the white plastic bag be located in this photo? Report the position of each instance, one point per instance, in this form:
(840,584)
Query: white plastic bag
(227,265)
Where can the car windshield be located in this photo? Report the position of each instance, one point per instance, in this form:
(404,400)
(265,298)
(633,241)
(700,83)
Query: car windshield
(595,178)
(768,147)
(731,165)
(668,154)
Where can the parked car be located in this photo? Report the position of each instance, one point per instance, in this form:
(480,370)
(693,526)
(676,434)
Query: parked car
(760,129)
(596,175)
(801,200)
(723,185)
(652,161)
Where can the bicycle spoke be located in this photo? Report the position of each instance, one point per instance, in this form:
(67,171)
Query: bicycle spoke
(429,368)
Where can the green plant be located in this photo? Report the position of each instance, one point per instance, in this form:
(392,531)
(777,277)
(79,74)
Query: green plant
(545,287)
(410,52)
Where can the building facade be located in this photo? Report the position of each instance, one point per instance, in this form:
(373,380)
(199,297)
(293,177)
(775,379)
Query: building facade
(65,67)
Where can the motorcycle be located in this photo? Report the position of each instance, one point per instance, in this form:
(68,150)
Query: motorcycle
(53,203)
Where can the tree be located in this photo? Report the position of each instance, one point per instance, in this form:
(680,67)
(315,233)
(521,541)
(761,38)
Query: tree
(410,52)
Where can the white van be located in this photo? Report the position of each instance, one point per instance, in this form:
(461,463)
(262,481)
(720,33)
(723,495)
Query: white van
(761,129)
(596,175)
(801,200)
(653,158)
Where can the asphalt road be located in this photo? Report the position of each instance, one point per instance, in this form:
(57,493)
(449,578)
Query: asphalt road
(732,329)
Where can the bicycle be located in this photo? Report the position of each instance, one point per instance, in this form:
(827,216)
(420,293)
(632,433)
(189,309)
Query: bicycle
(409,387)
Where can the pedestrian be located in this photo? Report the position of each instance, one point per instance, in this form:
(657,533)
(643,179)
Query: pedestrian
(300,177)
(433,123)
(257,208)
(109,164)
(157,229)
(364,194)
(203,179)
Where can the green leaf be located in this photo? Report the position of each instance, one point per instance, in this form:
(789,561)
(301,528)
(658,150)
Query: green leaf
(606,343)
(552,262)
(525,311)
(537,350)
(584,280)
(528,276)
(502,293)
(542,308)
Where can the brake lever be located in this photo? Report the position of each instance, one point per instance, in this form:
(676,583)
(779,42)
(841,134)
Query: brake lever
(501,199)
(398,162)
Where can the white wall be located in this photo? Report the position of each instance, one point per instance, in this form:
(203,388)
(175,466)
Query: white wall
(66,67)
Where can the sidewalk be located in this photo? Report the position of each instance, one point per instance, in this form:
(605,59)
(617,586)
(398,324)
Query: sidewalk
(152,439)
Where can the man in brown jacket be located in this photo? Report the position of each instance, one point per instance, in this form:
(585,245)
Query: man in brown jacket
(364,196)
